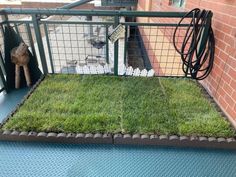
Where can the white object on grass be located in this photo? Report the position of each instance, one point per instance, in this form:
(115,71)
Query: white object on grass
(93,70)
(136,72)
(143,73)
(107,68)
(129,71)
(100,69)
(86,69)
(79,70)
(150,73)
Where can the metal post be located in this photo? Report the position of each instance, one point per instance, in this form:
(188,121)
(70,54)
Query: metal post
(49,47)
(31,40)
(40,43)
(107,45)
(2,64)
(3,84)
(116,49)
(2,79)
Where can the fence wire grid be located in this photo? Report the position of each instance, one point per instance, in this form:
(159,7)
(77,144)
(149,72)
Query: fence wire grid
(69,41)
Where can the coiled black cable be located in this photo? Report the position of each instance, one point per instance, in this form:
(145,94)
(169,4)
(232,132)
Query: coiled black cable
(198,47)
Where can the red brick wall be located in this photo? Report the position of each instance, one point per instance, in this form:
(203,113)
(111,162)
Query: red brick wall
(221,83)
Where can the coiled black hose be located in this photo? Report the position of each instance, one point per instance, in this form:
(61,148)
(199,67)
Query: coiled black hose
(198,47)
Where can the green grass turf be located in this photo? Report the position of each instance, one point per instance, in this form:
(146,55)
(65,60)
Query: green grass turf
(109,104)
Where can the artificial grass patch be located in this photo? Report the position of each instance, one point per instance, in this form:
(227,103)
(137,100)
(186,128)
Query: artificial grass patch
(109,104)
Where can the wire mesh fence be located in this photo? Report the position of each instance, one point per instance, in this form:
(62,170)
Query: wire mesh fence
(78,41)
(76,44)
(62,42)
(152,47)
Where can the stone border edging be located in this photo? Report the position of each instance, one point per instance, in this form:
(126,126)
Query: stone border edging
(118,139)
(176,141)
(79,138)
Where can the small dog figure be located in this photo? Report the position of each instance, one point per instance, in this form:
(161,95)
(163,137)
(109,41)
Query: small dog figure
(20,57)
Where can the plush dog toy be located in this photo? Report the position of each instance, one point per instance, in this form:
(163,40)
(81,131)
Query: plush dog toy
(20,57)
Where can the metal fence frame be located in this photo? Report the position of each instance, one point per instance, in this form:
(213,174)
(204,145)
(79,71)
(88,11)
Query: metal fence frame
(36,21)
(120,3)
(2,75)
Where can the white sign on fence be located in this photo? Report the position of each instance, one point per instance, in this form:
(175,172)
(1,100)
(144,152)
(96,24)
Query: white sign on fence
(117,33)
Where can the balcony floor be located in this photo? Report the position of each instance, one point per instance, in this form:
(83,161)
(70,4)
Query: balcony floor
(43,159)
(9,101)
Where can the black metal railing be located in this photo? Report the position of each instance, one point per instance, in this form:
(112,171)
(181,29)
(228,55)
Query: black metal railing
(119,3)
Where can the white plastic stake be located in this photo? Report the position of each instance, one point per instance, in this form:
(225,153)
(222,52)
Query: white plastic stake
(79,70)
(129,71)
(93,70)
(86,69)
(136,72)
(107,69)
(151,73)
(143,73)
(100,69)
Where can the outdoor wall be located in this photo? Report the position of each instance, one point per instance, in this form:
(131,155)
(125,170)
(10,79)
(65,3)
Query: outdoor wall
(221,84)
